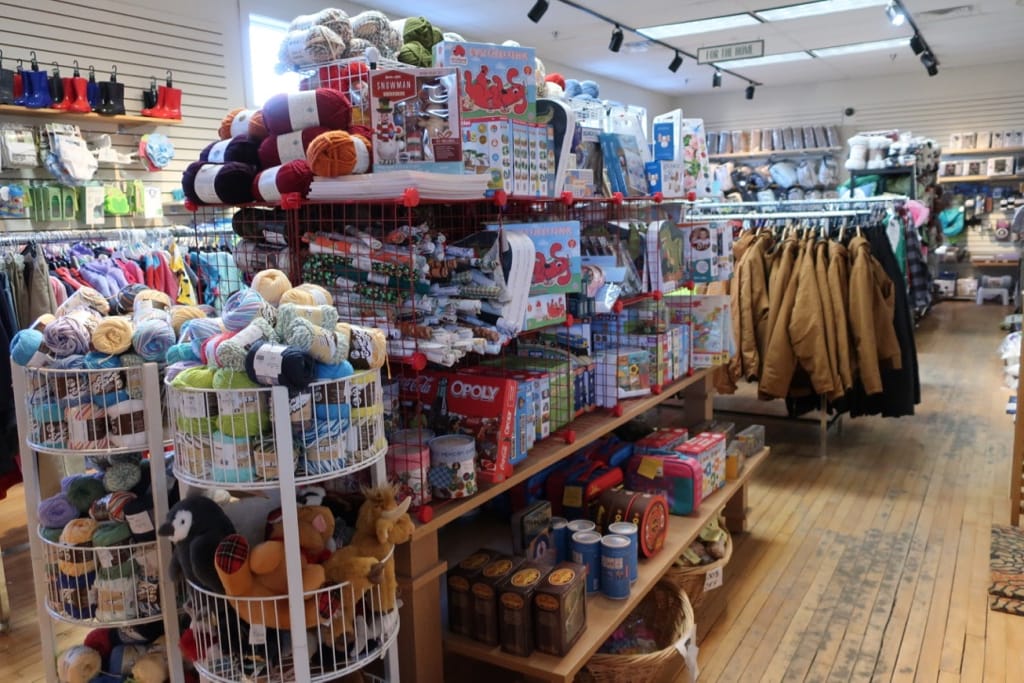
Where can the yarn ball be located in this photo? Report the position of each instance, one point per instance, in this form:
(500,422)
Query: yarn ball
(304,48)
(419,30)
(101,640)
(25,346)
(285,147)
(364,131)
(121,477)
(83,491)
(124,300)
(240,148)
(357,47)
(572,87)
(180,353)
(323,315)
(257,129)
(172,369)
(371,25)
(56,511)
(324,344)
(229,183)
(84,297)
(250,422)
(70,334)
(241,308)
(78,664)
(111,506)
(271,284)
(276,364)
(307,294)
(109,533)
(271,183)
(330,18)
(231,352)
(334,370)
(591,89)
(113,335)
(320,107)
(181,314)
(337,153)
(254,221)
(556,78)
(152,338)
(235,123)
(415,54)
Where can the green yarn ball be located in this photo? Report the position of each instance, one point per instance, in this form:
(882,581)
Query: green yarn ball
(418,30)
(415,54)
(122,477)
(255,418)
(83,491)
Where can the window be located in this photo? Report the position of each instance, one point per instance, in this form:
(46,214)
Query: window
(265,36)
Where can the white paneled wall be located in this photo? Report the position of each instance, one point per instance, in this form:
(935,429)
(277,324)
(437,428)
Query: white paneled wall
(142,43)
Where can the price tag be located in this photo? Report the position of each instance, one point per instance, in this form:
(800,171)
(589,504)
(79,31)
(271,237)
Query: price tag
(713,579)
(140,523)
(687,648)
(650,468)
(257,634)
(572,497)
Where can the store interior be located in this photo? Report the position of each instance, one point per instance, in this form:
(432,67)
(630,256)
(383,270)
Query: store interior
(535,341)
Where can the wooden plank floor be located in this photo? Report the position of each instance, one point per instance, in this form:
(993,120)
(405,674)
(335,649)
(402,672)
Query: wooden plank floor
(870,565)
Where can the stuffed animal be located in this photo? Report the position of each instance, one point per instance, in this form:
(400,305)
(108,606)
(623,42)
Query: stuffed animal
(260,571)
(196,525)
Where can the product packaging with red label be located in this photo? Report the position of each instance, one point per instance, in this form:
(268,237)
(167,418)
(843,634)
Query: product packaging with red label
(661,441)
(708,449)
(679,478)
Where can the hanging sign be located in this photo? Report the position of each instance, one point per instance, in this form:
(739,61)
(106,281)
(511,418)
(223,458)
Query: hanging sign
(722,53)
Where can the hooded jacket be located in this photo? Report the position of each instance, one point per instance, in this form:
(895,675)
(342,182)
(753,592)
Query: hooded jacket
(750,308)
(872,306)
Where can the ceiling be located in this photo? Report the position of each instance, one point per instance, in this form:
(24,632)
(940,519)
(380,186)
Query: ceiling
(989,32)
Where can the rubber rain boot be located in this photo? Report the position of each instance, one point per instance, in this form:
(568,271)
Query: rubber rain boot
(59,90)
(105,106)
(79,98)
(6,83)
(40,98)
(157,109)
(172,100)
(92,90)
(116,92)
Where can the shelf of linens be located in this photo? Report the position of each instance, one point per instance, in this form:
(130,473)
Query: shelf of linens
(781,153)
(60,114)
(992,151)
(949,180)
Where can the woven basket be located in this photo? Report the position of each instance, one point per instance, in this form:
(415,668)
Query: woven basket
(691,579)
(667,611)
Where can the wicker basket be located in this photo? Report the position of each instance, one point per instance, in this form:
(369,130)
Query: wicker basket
(667,610)
(691,579)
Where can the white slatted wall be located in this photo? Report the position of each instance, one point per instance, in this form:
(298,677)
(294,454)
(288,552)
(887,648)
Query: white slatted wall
(142,43)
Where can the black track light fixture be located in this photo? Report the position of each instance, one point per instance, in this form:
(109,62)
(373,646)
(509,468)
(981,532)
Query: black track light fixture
(895,13)
(677,62)
(716,80)
(615,44)
(750,91)
(931,64)
(917,44)
(538,10)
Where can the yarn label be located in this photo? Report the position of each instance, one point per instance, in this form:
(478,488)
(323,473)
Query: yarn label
(195,404)
(248,336)
(267,184)
(39,359)
(237,403)
(268,363)
(140,523)
(257,634)
(217,152)
(713,579)
(205,181)
(230,455)
(105,557)
(302,111)
(84,431)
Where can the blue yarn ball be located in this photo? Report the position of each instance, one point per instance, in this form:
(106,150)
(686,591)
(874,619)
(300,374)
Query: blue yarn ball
(590,88)
(180,353)
(101,361)
(241,308)
(152,338)
(572,87)
(26,344)
(334,370)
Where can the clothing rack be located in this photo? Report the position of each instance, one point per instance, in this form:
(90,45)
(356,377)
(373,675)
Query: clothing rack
(123,235)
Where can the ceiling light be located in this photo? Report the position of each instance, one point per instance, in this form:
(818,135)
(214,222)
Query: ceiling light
(677,62)
(689,28)
(750,92)
(716,80)
(778,58)
(813,9)
(616,42)
(932,69)
(896,15)
(539,8)
(917,44)
(931,64)
(854,48)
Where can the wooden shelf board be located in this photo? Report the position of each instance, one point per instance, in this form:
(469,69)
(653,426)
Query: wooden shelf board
(993,151)
(587,428)
(126,119)
(978,178)
(981,263)
(605,615)
(779,153)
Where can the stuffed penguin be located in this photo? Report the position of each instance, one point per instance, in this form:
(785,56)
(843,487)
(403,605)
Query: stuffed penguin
(196,526)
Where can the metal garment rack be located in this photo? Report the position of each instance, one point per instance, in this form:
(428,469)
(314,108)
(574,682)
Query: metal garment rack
(117,235)
(786,210)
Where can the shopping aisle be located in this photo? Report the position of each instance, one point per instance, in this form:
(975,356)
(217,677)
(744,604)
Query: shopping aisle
(873,563)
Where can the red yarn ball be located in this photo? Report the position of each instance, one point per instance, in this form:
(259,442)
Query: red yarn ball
(280,149)
(286,112)
(101,640)
(556,78)
(270,184)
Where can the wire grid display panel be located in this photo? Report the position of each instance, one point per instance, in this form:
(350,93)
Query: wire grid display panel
(225,436)
(89,584)
(245,639)
(83,411)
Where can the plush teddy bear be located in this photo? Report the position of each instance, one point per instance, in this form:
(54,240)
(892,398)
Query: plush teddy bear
(260,571)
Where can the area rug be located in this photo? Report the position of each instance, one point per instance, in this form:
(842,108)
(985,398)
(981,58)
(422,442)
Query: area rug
(1006,566)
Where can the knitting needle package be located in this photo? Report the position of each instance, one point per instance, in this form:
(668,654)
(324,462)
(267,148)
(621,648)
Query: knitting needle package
(415,117)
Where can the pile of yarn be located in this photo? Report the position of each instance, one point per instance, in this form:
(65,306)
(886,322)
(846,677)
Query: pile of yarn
(106,566)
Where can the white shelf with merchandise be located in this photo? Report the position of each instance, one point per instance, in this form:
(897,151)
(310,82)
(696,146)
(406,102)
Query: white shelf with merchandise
(780,153)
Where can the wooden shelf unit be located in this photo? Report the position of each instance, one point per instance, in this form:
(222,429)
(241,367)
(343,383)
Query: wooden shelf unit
(59,114)
(781,153)
(947,180)
(419,564)
(603,614)
(992,151)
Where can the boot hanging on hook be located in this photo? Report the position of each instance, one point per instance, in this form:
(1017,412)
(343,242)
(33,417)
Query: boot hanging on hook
(60,89)
(40,95)
(7,95)
(78,97)
(168,101)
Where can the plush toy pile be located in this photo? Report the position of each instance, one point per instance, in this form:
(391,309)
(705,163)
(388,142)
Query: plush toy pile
(99,530)
(337,574)
(273,334)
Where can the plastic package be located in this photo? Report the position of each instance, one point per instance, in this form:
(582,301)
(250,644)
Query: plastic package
(737,142)
(778,143)
(809,140)
(755,140)
(724,142)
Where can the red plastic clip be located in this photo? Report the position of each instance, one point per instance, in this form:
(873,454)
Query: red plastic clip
(691,196)
(191,206)
(291,200)
(617,199)
(658,197)
(568,198)
(410,197)
(501,198)
(656,295)
(418,361)
(569,320)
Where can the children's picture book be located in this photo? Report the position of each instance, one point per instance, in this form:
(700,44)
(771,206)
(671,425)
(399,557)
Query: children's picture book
(624,163)
(559,121)
(487,150)
(495,80)
(586,163)
(557,263)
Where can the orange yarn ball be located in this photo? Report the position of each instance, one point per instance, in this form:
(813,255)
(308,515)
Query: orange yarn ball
(257,129)
(337,153)
(225,124)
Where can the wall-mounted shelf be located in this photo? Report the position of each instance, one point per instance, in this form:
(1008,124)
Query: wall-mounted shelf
(992,151)
(782,153)
(946,180)
(59,114)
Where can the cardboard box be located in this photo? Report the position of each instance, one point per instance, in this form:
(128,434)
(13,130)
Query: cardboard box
(515,608)
(495,80)
(415,120)
(484,596)
(487,150)
(560,609)
(666,177)
(459,580)
(708,449)
(544,310)
(531,533)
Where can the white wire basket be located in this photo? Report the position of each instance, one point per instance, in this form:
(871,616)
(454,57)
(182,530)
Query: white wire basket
(226,437)
(86,412)
(90,585)
(347,632)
